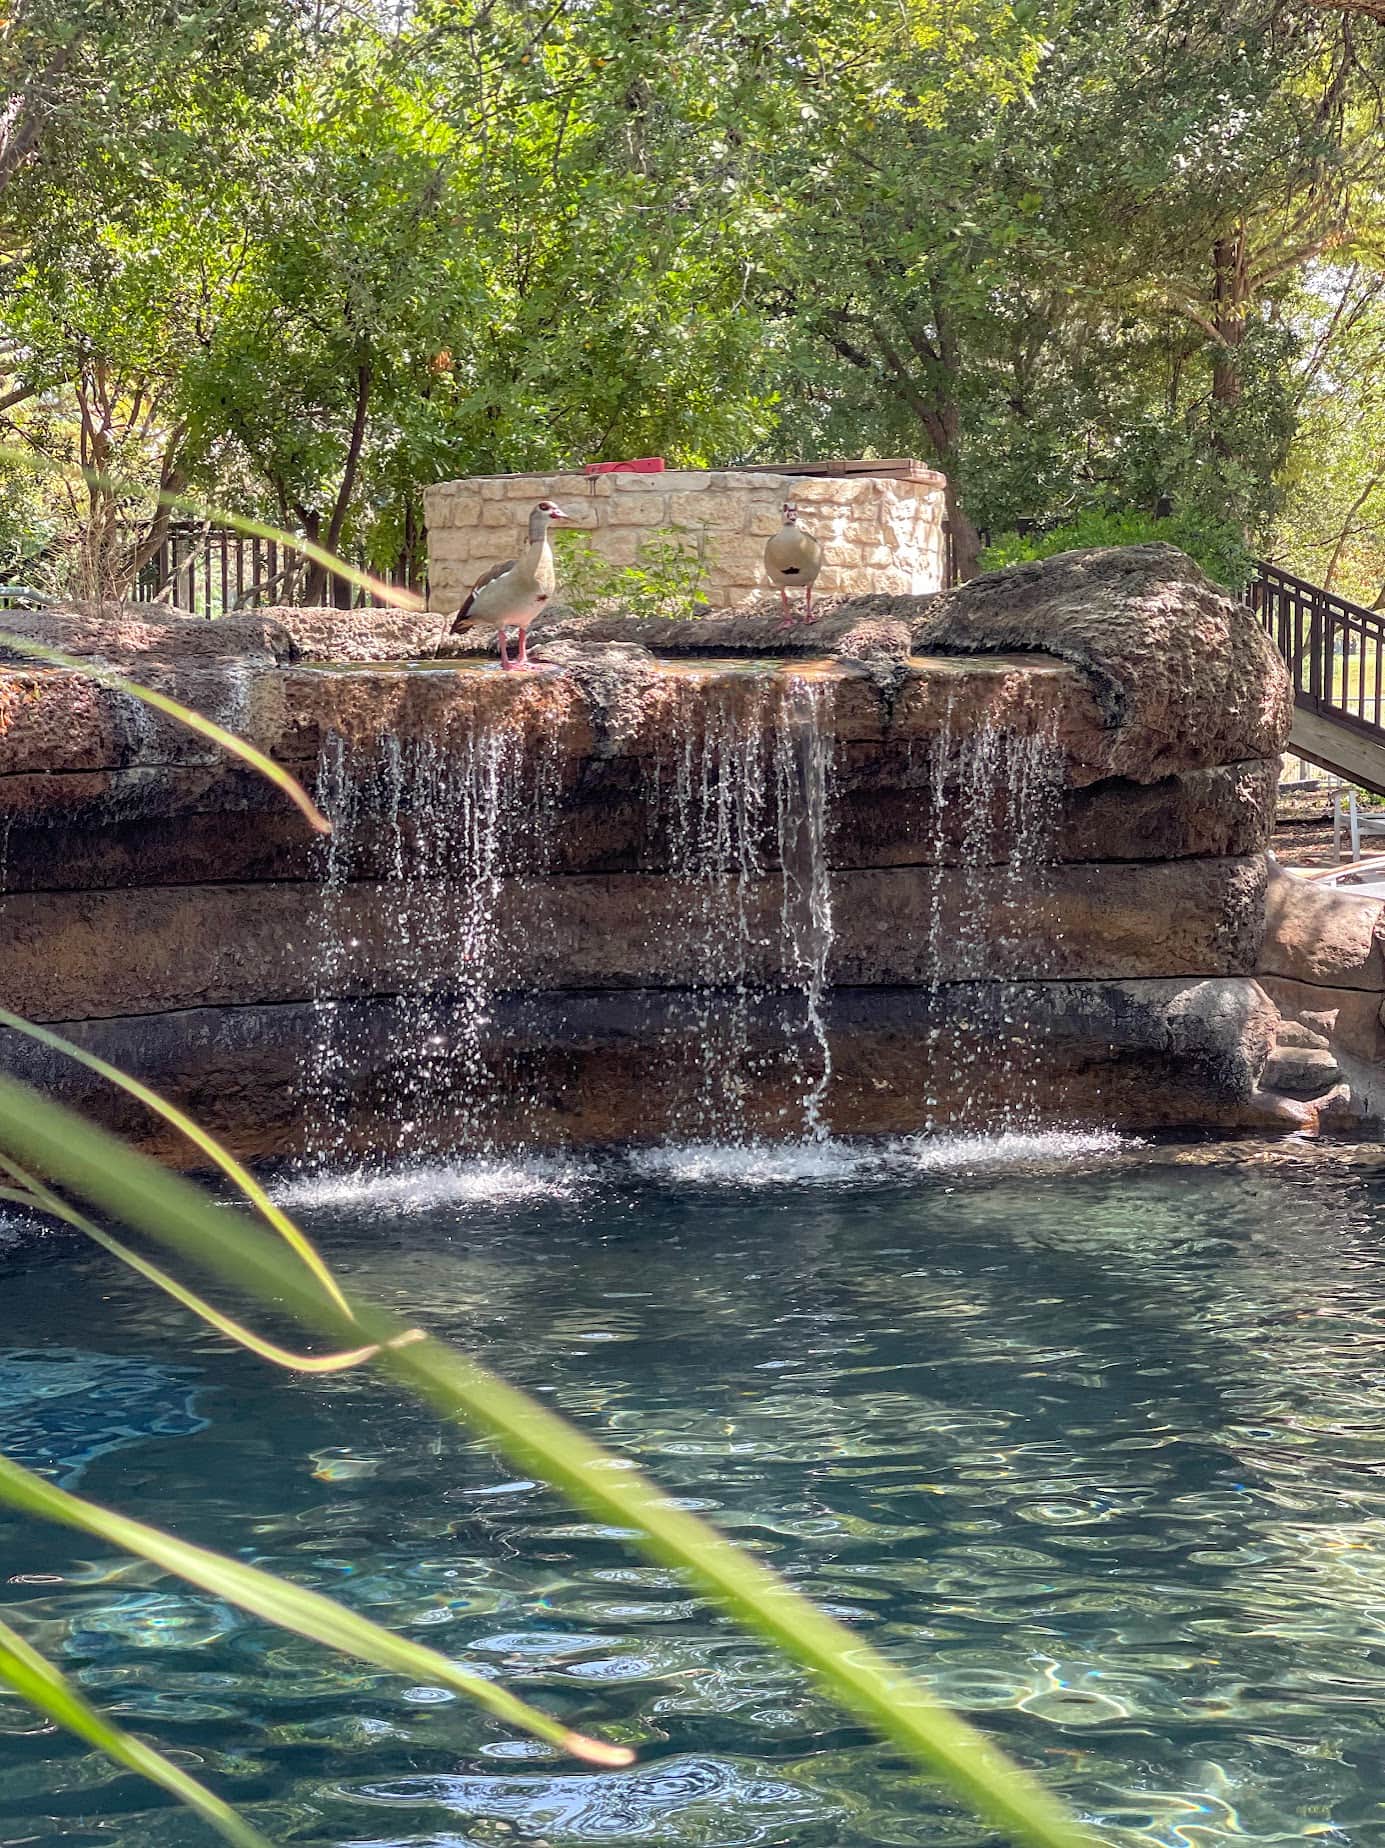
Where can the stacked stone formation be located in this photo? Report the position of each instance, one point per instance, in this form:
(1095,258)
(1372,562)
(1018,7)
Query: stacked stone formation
(169,907)
(877,533)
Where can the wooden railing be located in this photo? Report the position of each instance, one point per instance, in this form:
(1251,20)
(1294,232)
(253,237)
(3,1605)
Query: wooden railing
(1334,649)
(212,570)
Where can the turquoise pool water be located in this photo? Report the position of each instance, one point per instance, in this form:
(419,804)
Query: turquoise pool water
(1092,1438)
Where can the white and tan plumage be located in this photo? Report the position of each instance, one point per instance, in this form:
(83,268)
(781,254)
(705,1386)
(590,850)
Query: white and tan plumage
(511,595)
(793,559)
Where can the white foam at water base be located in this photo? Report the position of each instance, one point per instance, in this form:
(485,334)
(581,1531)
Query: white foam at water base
(421,1188)
(18,1227)
(753,1164)
(418,1189)
(773,1164)
(1012,1148)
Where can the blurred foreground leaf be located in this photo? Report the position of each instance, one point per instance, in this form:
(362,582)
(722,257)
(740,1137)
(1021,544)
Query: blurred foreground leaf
(80,1158)
(36,1680)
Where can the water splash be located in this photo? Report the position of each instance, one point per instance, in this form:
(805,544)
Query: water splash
(755,1164)
(833,1162)
(1024,1150)
(426,1187)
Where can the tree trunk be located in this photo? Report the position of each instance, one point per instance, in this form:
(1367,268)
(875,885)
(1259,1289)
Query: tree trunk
(1329,576)
(1230,287)
(966,540)
(944,429)
(341,587)
(929,390)
(315,577)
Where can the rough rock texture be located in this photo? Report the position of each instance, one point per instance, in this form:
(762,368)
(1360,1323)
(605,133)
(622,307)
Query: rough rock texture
(126,632)
(194,825)
(1323,936)
(326,634)
(853,626)
(1184,676)
(1145,968)
(610,1068)
(136,951)
(1323,967)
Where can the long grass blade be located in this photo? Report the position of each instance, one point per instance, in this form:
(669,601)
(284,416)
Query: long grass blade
(34,1678)
(131,1188)
(292,1235)
(292,1607)
(34,1194)
(207,728)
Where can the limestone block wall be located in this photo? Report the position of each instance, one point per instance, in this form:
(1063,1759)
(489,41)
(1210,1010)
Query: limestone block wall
(877,533)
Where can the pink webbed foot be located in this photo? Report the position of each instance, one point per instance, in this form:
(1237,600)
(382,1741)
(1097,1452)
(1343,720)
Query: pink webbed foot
(521,662)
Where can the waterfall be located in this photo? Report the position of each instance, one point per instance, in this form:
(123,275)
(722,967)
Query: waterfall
(442,877)
(425,834)
(745,805)
(994,793)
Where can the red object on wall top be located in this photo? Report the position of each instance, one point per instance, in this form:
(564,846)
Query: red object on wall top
(646,465)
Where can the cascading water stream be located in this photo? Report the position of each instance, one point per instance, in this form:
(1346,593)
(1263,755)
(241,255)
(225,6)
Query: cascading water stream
(438,858)
(745,805)
(994,793)
(425,834)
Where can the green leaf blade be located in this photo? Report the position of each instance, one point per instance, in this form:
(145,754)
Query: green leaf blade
(37,1681)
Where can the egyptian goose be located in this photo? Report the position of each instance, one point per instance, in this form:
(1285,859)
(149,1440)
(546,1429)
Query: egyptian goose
(513,594)
(793,559)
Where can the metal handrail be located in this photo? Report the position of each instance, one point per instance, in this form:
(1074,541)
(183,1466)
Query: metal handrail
(1334,649)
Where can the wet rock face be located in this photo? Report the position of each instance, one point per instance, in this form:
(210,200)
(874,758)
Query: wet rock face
(892,869)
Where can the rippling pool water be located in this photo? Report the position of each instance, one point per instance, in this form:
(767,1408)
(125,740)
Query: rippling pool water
(1093,1439)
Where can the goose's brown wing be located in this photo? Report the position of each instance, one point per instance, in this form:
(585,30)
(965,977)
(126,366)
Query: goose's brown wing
(486,577)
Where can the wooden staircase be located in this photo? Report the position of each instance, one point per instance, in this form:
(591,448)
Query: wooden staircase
(1335,653)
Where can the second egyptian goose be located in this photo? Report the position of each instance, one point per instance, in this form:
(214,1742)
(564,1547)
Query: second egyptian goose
(511,595)
(793,559)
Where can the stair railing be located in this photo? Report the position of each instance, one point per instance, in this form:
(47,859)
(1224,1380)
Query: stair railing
(1334,649)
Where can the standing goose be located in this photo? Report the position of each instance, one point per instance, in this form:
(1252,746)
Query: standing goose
(513,594)
(793,559)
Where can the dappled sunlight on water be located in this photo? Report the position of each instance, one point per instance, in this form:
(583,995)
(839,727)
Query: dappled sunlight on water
(1090,1437)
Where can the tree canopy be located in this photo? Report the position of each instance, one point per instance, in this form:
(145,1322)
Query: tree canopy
(1113,265)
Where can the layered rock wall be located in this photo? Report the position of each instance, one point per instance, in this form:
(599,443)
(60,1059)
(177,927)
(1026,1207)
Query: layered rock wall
(933,860)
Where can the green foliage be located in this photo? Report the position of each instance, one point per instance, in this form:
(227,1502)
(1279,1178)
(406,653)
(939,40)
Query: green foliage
(666,580)
(1220,549)
(1084,255)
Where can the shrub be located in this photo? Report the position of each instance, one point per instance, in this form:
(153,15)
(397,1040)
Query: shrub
(667,578)
(1218,546)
